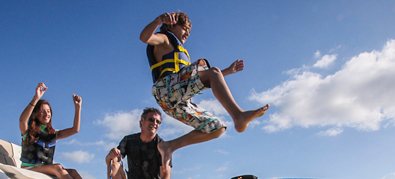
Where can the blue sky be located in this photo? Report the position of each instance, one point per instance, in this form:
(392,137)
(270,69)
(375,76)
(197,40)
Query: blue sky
(326,67)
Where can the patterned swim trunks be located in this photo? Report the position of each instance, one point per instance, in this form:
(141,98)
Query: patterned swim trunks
(174,93)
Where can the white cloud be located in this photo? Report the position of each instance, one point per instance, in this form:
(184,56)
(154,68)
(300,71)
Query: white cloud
(213,106)
(108,146)
(224,167)
(389,176)
(73,141)
(220,169)
(105,144)
(121,123)
(360,95)
(254,123)
(173,127)
(331,132)
(222,152)
(77,156)
(186,170)
(334,49)
(86,175)
(317,54)
(325,61)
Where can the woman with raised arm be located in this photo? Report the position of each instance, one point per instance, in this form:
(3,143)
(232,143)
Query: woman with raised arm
(39,138)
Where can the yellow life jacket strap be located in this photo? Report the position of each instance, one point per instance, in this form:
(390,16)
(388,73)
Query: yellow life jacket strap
(176,62)
(182,49)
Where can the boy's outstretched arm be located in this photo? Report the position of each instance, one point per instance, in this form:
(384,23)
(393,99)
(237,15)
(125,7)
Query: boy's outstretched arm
(148,34)
(236,66)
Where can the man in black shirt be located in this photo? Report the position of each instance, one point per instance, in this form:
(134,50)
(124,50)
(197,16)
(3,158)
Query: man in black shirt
(144,159)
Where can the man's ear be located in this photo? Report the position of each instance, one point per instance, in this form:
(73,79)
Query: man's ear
(141,121)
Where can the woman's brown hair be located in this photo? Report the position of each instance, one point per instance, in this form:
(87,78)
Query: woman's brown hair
(34,125)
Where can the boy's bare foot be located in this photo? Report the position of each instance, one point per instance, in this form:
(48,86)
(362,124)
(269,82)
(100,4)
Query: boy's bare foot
(241,123)
(166,154)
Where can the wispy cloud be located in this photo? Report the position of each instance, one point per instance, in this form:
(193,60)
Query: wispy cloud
(317,54)
(214,106)
(254,123)
(86,175)
(389,176)
(222,168)
(325,61)
(360,95)
(334,49)
(186,170)
(121,123)
(331,132)
(77,156)
(172,127)
(105,144)
(222,152)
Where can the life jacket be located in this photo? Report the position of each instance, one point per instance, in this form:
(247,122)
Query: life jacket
(171,62)
(41,152)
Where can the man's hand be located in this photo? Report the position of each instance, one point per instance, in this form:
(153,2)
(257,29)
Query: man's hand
(113,155)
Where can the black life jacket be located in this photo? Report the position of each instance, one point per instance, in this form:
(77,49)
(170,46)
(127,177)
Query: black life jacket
(171,62)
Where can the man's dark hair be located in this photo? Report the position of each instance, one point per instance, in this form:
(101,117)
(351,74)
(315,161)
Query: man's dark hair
(148,110)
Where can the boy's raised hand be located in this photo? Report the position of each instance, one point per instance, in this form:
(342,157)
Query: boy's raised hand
(168,18)
(236,66)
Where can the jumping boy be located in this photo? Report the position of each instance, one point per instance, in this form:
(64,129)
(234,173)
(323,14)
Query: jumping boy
(176,81)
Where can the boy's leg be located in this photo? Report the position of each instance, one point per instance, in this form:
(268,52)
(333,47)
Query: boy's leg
(188,80)
(166,149)
(207,127)
(214,79)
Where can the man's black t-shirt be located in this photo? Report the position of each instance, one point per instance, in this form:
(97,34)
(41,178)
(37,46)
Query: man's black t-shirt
(144,159)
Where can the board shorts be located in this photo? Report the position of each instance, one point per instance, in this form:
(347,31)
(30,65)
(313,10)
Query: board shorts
(174,93)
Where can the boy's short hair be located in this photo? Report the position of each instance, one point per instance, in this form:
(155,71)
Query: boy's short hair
(181,19)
